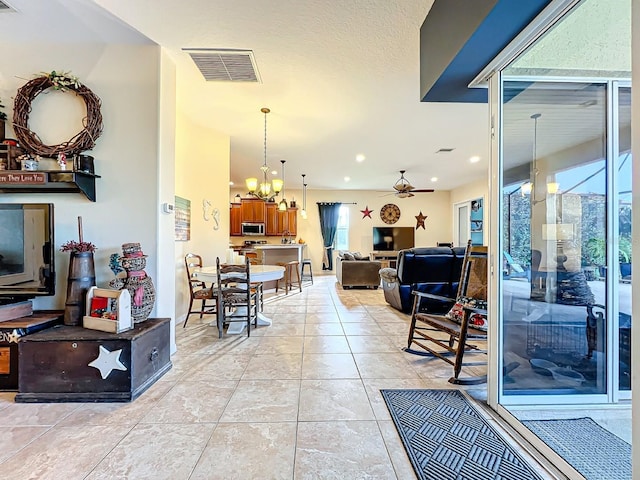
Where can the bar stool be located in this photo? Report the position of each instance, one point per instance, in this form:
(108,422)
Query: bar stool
(307,276)
(291,271)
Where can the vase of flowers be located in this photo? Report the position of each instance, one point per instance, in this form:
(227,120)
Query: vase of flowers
(81,278)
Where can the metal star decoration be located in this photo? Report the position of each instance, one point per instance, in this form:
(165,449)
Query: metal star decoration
(420,220)
(107,362)
(366,212)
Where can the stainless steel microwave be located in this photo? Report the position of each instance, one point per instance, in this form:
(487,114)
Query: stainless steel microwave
(253,229)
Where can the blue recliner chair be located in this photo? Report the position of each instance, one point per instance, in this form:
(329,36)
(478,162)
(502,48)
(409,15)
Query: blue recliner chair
(434,270)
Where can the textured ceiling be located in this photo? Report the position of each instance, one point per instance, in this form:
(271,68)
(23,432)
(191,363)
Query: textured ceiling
(341,79)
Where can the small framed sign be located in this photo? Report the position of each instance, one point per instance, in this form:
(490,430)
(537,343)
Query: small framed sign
(22,178)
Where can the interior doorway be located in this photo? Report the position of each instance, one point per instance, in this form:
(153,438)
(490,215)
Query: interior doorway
(468,222)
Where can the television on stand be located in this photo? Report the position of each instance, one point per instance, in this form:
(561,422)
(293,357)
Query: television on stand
(393,239)
(27,252)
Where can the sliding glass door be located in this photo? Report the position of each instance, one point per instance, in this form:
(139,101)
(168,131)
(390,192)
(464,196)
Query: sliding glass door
(561,175)
(622,215)
(554,227)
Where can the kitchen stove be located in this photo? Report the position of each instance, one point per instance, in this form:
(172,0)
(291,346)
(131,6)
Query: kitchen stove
(248,243)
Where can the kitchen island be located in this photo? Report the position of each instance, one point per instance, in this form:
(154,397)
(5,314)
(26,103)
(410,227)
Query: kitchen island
(280,253)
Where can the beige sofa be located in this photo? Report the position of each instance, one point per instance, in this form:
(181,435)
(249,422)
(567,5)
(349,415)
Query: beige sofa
(358,273)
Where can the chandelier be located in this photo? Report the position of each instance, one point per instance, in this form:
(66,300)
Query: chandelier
(266,190)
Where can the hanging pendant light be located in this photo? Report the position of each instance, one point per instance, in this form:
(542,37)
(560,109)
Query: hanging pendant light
(266,190)
(528,188)
(303,213)
(282,206)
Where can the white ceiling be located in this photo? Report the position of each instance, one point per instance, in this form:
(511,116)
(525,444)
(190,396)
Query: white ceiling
(341,78)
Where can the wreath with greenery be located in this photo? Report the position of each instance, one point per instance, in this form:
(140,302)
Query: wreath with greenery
(62,81)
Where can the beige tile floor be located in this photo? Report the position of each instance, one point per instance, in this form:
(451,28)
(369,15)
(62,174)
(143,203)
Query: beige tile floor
(297,400)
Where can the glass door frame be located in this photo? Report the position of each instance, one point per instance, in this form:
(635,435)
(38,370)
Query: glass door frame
(613,394)
(616,85)
(462,242)
(495,397)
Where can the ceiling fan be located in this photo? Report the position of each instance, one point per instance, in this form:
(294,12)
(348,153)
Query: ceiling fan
(404,189)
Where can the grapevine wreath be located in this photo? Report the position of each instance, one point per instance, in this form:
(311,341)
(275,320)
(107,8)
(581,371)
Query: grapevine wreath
(62,81)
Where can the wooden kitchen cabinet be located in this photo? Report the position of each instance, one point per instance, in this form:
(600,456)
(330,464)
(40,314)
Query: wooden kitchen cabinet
(287,222)
(292,221)
(235,216)
(271,220)
(253,210)
(277,222)
(258,211)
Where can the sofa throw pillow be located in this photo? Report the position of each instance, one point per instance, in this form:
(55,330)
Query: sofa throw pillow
(476,320)
(359,256)
(347,256)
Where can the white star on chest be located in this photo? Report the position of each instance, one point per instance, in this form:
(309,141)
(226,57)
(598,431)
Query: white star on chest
(107,362)
(13,337)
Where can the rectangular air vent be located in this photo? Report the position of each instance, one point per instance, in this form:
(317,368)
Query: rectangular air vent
(5,7)
(445,150)
(225,65)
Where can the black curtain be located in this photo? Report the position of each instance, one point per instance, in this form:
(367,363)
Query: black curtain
(329,213)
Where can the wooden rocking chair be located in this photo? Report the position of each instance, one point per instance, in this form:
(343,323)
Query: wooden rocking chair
(442,336)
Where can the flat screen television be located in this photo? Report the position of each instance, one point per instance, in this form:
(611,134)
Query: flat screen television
(27,251)
(392,239)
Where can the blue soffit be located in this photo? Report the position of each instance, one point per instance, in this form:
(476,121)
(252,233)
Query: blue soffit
(460,37)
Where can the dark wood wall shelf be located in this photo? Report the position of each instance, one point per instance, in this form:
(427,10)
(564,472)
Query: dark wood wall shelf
(54,181)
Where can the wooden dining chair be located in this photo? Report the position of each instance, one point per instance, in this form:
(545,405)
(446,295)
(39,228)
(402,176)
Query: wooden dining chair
(257,285)
(463,327)
(198,289)
(234,292)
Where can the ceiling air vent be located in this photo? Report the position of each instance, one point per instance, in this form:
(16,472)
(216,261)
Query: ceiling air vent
(225,65)
(445,150)
(5,7)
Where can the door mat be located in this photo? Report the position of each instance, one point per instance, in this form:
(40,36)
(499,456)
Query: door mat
(592,450)
(447,439)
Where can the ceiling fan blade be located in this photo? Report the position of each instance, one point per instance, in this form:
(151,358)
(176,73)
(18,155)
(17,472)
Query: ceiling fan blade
(423,190)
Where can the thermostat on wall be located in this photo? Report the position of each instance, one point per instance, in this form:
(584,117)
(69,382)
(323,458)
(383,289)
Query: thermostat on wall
(168,207)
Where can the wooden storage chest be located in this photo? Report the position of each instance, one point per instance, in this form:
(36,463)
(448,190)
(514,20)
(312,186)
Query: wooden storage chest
(11,331)
(74,364)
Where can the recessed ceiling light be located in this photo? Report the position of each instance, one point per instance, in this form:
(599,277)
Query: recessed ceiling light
(360,157)
(231,183)
(434,179)
(474,159)
(347,179)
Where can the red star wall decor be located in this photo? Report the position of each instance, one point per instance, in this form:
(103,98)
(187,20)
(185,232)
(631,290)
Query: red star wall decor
(420,220)
(366,212)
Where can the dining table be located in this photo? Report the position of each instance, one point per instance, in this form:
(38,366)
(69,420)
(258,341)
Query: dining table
(258,274)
